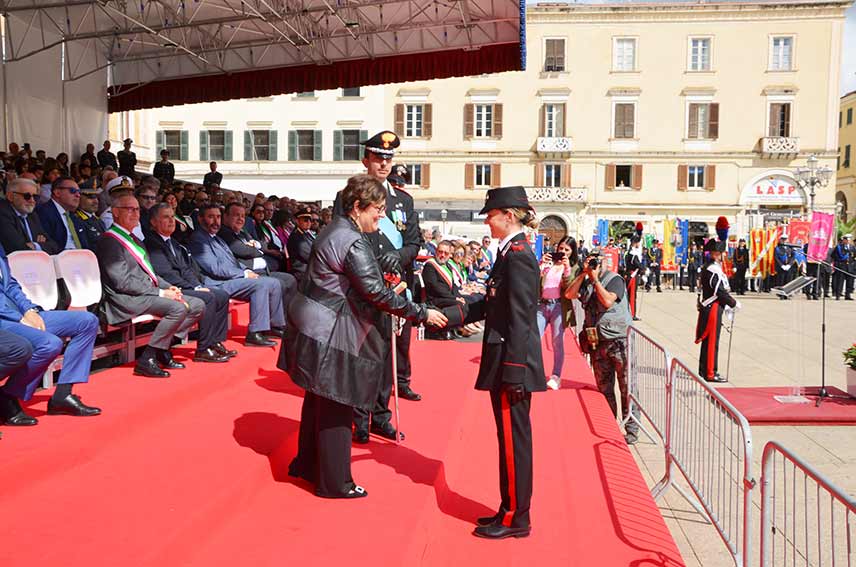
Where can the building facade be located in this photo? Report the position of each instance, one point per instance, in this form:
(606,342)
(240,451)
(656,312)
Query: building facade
(845,196)
(626,112)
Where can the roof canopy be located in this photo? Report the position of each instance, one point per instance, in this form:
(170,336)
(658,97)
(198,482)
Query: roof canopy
(249,48)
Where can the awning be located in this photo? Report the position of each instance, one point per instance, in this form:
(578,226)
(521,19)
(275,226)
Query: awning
(169,52)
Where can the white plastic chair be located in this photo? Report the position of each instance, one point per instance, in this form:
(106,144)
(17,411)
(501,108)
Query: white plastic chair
(79,270)
(35,271)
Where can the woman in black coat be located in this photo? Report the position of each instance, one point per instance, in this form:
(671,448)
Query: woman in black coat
(511,365)
(334,347)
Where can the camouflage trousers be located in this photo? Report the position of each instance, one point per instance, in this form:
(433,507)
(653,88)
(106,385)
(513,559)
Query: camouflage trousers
(609,363)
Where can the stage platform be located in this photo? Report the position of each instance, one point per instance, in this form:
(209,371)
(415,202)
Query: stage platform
(191,471)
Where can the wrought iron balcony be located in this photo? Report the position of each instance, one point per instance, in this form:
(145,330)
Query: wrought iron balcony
(557,194)
(779,146)
(553,145)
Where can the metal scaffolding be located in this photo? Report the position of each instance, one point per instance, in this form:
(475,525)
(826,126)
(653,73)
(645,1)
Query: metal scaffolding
(142,41)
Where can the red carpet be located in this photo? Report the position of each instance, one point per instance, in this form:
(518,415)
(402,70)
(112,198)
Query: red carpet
(760,406)
(192,471)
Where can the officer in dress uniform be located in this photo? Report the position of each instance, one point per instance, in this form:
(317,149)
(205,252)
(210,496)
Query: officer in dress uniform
(841,258)
(632,269)
(714,298)
(93,227)
(511,366)
(655,262)
(127,159)
(396,244)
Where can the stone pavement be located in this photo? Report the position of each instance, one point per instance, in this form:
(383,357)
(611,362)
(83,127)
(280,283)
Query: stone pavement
(776,343)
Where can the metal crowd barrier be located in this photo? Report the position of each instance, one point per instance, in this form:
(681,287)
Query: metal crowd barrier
(710,443)
(805,519)
(648,381)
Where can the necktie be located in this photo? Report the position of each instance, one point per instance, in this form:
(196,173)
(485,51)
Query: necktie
(72,231)
(27,228)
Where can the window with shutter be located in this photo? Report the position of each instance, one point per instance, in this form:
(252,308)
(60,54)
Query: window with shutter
(184,147)
(695,177)
(425,180)
(469,175)
(623,177)
(482,175)
(539,174)
(227,145)
(216,145)
(497,121)
(710,177)
(415,172)
(495,174)
(554,120)
(203,145)
(399,119)
(260,145)
(780,119)
(683,173)
(849,116)
(427,120)
(702,124)
(272,146)
(552,175)
(414,120)
(350,145)
(781,53)
(483,121)
(636,181)
(699,59)
(171,141)
(248,146)
(554,55)
(609,177)
(159,142)
(624,120)
(624,54)
(317,138)
(713,122)
(469,121)
(566,175)
(305,145)
(846,162)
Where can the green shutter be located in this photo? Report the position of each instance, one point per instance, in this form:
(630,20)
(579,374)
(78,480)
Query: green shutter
(203,145)
(364,135)
(160,142)
(338,153)
(248,145)
(316,154)
(185,143)
(272,146)
(227,145)
(292,145)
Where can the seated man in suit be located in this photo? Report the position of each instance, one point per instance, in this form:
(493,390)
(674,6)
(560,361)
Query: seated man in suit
(443,289)
(222,270)
(20,227)
(250,252)
(300,242)
(44,331)
(132,288)
(173,264)
(58,214)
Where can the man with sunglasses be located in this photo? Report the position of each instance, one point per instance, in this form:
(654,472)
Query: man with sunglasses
(20,227)
(87,215)
(58,215)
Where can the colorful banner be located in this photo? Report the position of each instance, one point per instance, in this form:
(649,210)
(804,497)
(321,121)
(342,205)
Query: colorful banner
(669,244)
(683,241)
(821,233)
(799,232)
(602,232)
(609,257)
(762,247)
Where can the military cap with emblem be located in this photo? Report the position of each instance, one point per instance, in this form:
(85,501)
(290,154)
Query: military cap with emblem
(88,187)
(383,144)
(121,182)
(513,197)
(714,245)
(303,212)
(127,141)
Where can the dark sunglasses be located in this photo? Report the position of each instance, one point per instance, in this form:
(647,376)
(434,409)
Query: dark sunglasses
(27,196)
(72,190)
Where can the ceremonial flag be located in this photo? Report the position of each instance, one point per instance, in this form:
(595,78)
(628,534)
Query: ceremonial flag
(669,244)
(682,241)
(821,233)
(799,232)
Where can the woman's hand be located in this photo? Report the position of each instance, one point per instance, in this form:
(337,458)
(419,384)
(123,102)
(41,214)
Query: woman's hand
(436,318)
(546,259)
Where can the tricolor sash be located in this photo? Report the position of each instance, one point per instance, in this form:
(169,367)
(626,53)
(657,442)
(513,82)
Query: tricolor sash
(134,249)
(447,276)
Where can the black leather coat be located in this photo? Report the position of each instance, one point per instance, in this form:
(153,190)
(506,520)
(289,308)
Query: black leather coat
(334,346)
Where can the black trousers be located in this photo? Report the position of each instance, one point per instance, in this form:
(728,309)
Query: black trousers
(740,280)
(842,284)
(654,278)
(402,349)
(514,435)
(214,322)
(324,446)
(708,355)
(381,413)
(692,278)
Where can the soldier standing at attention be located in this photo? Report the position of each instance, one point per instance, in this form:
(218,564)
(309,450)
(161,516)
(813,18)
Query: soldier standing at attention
(715,297)
(127,159)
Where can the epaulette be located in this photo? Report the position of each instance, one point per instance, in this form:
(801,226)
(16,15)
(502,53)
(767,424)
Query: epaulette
(518,246)
(81,215)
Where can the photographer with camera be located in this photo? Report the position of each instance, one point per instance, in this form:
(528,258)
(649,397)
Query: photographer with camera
(604,335)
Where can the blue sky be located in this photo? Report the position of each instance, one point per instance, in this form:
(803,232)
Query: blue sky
(848,62)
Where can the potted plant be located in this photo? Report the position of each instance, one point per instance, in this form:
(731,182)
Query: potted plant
(850,361)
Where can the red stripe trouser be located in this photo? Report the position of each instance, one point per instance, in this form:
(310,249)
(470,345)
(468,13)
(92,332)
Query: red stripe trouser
(514,434)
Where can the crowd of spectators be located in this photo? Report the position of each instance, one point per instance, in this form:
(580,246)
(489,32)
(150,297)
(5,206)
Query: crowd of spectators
(168,248)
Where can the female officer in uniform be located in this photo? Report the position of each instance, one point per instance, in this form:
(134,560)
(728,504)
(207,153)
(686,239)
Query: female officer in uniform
(511,364)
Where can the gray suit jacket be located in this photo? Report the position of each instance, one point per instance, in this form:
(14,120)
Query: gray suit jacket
(215,258)
(128,289)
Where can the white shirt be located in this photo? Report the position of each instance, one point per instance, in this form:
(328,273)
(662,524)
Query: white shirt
(503,244)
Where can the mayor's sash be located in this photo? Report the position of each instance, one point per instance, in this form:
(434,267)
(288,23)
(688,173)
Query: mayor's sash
(133,249)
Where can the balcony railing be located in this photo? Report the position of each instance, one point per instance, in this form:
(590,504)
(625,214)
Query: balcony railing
(557,194)
(780,145)
(553,145)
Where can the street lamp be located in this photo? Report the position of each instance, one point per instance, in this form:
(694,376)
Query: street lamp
(811,177)
(443,215)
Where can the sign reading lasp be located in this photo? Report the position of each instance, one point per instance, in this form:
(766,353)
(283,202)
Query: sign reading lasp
(778,190)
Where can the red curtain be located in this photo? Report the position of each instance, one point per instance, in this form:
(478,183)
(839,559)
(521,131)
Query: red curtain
(269,82)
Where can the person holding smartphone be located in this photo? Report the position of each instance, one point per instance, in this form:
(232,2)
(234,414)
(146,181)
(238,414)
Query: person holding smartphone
(558,270)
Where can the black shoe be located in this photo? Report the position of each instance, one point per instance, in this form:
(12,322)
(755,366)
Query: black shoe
(11,412)
(209,355)
(659,290)
(848,298)
(718,378)
(149,367)
(385,430)
(631,438)
(488,520)
(257,339)
(221,349)
(278,333)
(408,394)
(361,436)
(165,360)
(71,405)
(637,319)
(498,531)
(354,492)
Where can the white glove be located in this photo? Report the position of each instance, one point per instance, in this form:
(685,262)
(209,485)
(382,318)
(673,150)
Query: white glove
(738,306)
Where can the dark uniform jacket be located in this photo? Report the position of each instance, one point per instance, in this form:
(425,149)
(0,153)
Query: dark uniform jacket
(164,171)
(173,264)
(511,349)
(106,158)
(714,296)
(741,258)
(212,177)
(333,346)
(299,248)
(632,265)
(14,236)
(93,228)
(127,163)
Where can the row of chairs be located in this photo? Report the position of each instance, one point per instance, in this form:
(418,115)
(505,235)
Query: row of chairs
(38,274)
